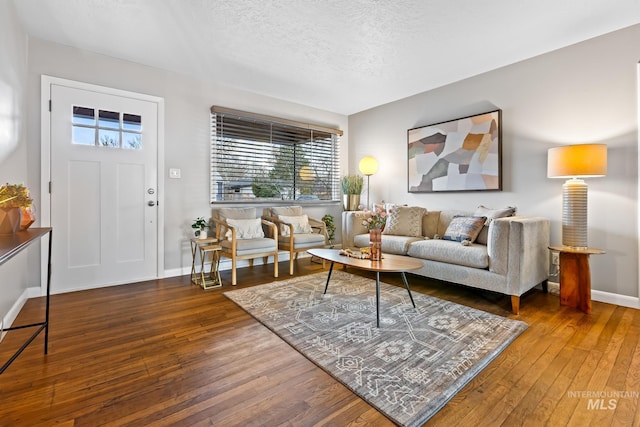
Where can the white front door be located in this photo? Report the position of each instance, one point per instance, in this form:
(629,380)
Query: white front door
(104,188)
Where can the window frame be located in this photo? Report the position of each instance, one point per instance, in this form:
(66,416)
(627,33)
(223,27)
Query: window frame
(317,146)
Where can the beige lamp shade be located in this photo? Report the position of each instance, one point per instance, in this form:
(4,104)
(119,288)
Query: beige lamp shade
(368,166)
(574,162)
(581,160)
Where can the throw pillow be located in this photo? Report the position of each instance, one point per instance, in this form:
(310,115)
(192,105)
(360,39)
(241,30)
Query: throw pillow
(464,228)
(300,224)
(245,228)
(491,214)
(404,221)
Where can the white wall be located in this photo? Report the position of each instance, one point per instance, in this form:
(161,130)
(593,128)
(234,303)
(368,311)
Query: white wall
(14,275)
(584,93)
(187,126)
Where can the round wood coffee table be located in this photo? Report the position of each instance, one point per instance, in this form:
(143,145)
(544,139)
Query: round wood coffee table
(388,264)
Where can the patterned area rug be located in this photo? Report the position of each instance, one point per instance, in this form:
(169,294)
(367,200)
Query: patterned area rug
(409,367)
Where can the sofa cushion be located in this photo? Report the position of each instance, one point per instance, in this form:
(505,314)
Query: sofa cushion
(300,224)
(404,221)
(245,228)
(491,214)
(301,241)
(450,252)
(285,210)
(235,213)
(464,228)
(251,246)
(397,245)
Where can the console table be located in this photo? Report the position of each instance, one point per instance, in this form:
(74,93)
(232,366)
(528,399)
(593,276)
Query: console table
(11,245)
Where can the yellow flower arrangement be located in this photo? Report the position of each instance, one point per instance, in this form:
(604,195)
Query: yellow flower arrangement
(15,196)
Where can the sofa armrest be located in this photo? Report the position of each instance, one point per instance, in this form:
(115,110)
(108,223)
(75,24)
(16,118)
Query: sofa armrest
(351,227)
(518,247)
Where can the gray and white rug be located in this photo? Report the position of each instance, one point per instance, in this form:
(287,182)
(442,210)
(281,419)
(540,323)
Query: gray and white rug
(408,368)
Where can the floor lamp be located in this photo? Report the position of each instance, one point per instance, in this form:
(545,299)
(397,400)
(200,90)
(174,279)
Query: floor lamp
(575,162)
(368,166)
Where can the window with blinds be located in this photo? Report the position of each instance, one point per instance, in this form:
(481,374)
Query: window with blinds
(256,157)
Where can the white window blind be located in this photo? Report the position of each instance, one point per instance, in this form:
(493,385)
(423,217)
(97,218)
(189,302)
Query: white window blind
(256,157)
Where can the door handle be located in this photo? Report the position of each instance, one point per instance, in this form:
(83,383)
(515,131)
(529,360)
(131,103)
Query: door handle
(151,203)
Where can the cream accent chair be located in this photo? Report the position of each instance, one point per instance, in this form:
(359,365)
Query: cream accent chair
(237,248)
(291,241)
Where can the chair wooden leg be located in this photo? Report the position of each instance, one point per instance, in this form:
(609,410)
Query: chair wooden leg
(265,260)
(515,304)
(233,271)
(250,262)
(275,264)
(291,262)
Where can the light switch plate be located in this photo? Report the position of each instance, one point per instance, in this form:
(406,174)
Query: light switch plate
(174,173)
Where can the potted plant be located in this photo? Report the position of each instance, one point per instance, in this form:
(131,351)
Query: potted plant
(351,189)
(200,225)
(331,228)
(15,208)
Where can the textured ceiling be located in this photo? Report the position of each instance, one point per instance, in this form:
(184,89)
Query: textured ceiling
(343,56)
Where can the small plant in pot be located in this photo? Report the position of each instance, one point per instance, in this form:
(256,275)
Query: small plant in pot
(351,189)
(331,228)
(200,226)
(16,210)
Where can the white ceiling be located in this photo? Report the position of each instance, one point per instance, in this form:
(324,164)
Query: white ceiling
(343,56)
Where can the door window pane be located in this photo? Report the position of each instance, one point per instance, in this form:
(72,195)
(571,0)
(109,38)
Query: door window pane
(109,119)
(131,141)
(109,138)
(131,122)
(84,136)
(84,116)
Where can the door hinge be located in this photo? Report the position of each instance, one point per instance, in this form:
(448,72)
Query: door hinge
(49,187)
(49,105)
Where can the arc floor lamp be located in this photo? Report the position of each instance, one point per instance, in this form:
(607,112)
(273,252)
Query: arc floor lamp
(368,166)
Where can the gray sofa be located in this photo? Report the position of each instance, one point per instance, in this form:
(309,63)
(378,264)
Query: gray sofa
(510,255)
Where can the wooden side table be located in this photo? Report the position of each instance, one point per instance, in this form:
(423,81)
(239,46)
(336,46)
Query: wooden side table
(204,247)
(575,276)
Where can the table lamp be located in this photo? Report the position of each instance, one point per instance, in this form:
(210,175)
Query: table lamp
(368,166)
(575,162)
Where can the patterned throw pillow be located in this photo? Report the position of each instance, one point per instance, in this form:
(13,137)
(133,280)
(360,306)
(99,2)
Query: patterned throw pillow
(300,224)
(491,214)
(245,228)
(464,228)
(404,221)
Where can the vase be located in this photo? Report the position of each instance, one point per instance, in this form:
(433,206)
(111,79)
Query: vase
(375,244)
(351,202)
(10,220)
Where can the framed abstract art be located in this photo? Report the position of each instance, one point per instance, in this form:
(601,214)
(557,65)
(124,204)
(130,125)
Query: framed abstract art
(459,155)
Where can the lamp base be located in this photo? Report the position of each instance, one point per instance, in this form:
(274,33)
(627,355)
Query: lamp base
(574,214)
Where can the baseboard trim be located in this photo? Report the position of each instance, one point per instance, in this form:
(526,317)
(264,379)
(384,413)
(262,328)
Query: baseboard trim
(12,314)
(225,264)
(617,299)
(602,296)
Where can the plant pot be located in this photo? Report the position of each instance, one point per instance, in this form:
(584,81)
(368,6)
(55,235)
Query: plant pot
(203,234)
(28,218)
(10,220)
(351,202)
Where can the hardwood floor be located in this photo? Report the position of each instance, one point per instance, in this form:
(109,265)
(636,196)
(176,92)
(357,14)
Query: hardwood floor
(166,352)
